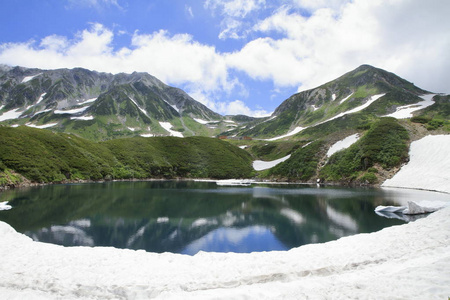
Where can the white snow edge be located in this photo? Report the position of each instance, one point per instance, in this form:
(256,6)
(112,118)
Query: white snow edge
(413,260)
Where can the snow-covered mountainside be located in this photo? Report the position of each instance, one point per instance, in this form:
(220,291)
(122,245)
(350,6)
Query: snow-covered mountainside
(399,262)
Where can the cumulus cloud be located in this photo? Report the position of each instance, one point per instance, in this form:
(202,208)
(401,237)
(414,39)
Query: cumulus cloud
(235,8)
(97,4)
(288,48)
(402,36)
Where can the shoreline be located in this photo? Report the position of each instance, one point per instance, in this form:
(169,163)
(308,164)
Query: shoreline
(249,181)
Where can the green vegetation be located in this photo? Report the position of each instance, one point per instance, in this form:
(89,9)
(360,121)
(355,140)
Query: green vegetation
(385,144)
(44,156)
(7,177)
(302,165)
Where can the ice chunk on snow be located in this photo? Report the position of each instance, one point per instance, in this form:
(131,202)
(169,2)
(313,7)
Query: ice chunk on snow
(260,165)
(428,167)
(167,126)
(343,144)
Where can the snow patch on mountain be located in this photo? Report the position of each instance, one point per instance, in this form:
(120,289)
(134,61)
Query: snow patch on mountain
(428,167)
(260,165)
(41,126)
(11,115)
(404,112)
(28,78)
(295,131)
(343,144)
(167,126)
(345,99)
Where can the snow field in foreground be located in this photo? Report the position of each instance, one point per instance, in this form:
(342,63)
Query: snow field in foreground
(410,261)
(399,261)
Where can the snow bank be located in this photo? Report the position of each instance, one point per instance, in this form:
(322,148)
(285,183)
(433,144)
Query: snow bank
(343,144)
(428,168)
(396,262)
(260,165)
(234,182)
(404,112)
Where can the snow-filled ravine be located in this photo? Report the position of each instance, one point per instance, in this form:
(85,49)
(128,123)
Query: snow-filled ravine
(410,261)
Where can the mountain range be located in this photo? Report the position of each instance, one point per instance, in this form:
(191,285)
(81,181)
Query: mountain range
(383,111)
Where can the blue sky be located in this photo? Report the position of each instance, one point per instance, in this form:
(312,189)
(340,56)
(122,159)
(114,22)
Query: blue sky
(235,56)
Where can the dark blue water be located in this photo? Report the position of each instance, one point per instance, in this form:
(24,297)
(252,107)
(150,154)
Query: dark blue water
(187,217)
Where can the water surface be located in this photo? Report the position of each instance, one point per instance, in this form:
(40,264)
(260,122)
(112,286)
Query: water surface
(187,217)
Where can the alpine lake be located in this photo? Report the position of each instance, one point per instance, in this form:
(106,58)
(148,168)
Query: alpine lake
(191,216)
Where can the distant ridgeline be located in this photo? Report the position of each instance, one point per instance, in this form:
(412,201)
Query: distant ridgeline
(84,114)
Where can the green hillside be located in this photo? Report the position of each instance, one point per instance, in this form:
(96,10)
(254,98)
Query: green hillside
(43,156)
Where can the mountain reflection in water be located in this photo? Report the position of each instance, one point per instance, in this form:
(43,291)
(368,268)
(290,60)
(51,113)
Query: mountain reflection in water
(187,217)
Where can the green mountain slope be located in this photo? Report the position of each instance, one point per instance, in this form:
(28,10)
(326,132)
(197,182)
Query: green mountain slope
(43,156)
(339,98)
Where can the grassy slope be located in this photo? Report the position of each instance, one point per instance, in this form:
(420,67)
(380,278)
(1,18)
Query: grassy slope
(44,156)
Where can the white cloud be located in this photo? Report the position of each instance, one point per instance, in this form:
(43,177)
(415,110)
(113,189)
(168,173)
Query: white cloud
(189,11)
(289,49)
(237,107)
(97,4)
(406,37)
(235,8)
